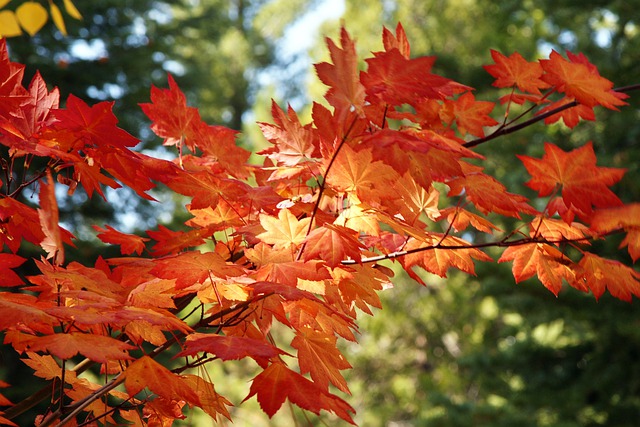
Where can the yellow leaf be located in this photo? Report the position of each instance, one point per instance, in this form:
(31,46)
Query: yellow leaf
(56,15)
(8,24)
(71,9)
(32,16)
(3,3)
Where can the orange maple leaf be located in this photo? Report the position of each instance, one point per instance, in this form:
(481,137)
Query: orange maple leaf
(194,267)
(293,142)
(341,76)
(579,79)
(356,172)
(333,244)
(318,355)
(438,260)
(470,115)
(488,194)
(624,217)
(600,274)
(147,373)
(575,173)
(543,260)
(397,80)
(284,231)
(516,71)
(99,348)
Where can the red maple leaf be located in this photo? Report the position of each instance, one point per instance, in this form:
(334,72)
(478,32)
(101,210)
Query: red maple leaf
(230,347)
(8,277)
(129,243)
(278,383)
(575,174)
(171,118)
(396,80)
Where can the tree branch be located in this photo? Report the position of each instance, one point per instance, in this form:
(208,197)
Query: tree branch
(514,128)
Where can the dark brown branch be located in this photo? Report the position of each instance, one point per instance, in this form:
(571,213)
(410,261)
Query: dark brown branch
(514,128)
(499,244)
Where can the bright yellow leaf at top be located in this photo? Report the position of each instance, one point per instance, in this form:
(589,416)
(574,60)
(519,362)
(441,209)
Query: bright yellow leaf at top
(32,16)
(9,24)
(71,9)
(3,3)
(56,15)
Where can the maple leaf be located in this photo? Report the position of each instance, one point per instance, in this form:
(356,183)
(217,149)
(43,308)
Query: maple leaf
(356,172)
(48,213)
(488,194)
(583,184)
(600,274)
(98,348)
(129,243)
(24,309)
(397,80)
(555,230)
(147,373)
(46,367)
(194,267)
(230,347)
(206,188)
(341,75)
(284,231)
(624,217)
(278,383)
(471,115)
(211,402)
(170,242)
(579,79)
(219,143)
(293,142)
(545,261)
(80,126)
(398,41)
(332,243)
(318,355)
(8,277)
(358,286)
(460,219)
(570,116)
(171,118)
(438,260)
(514,70)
